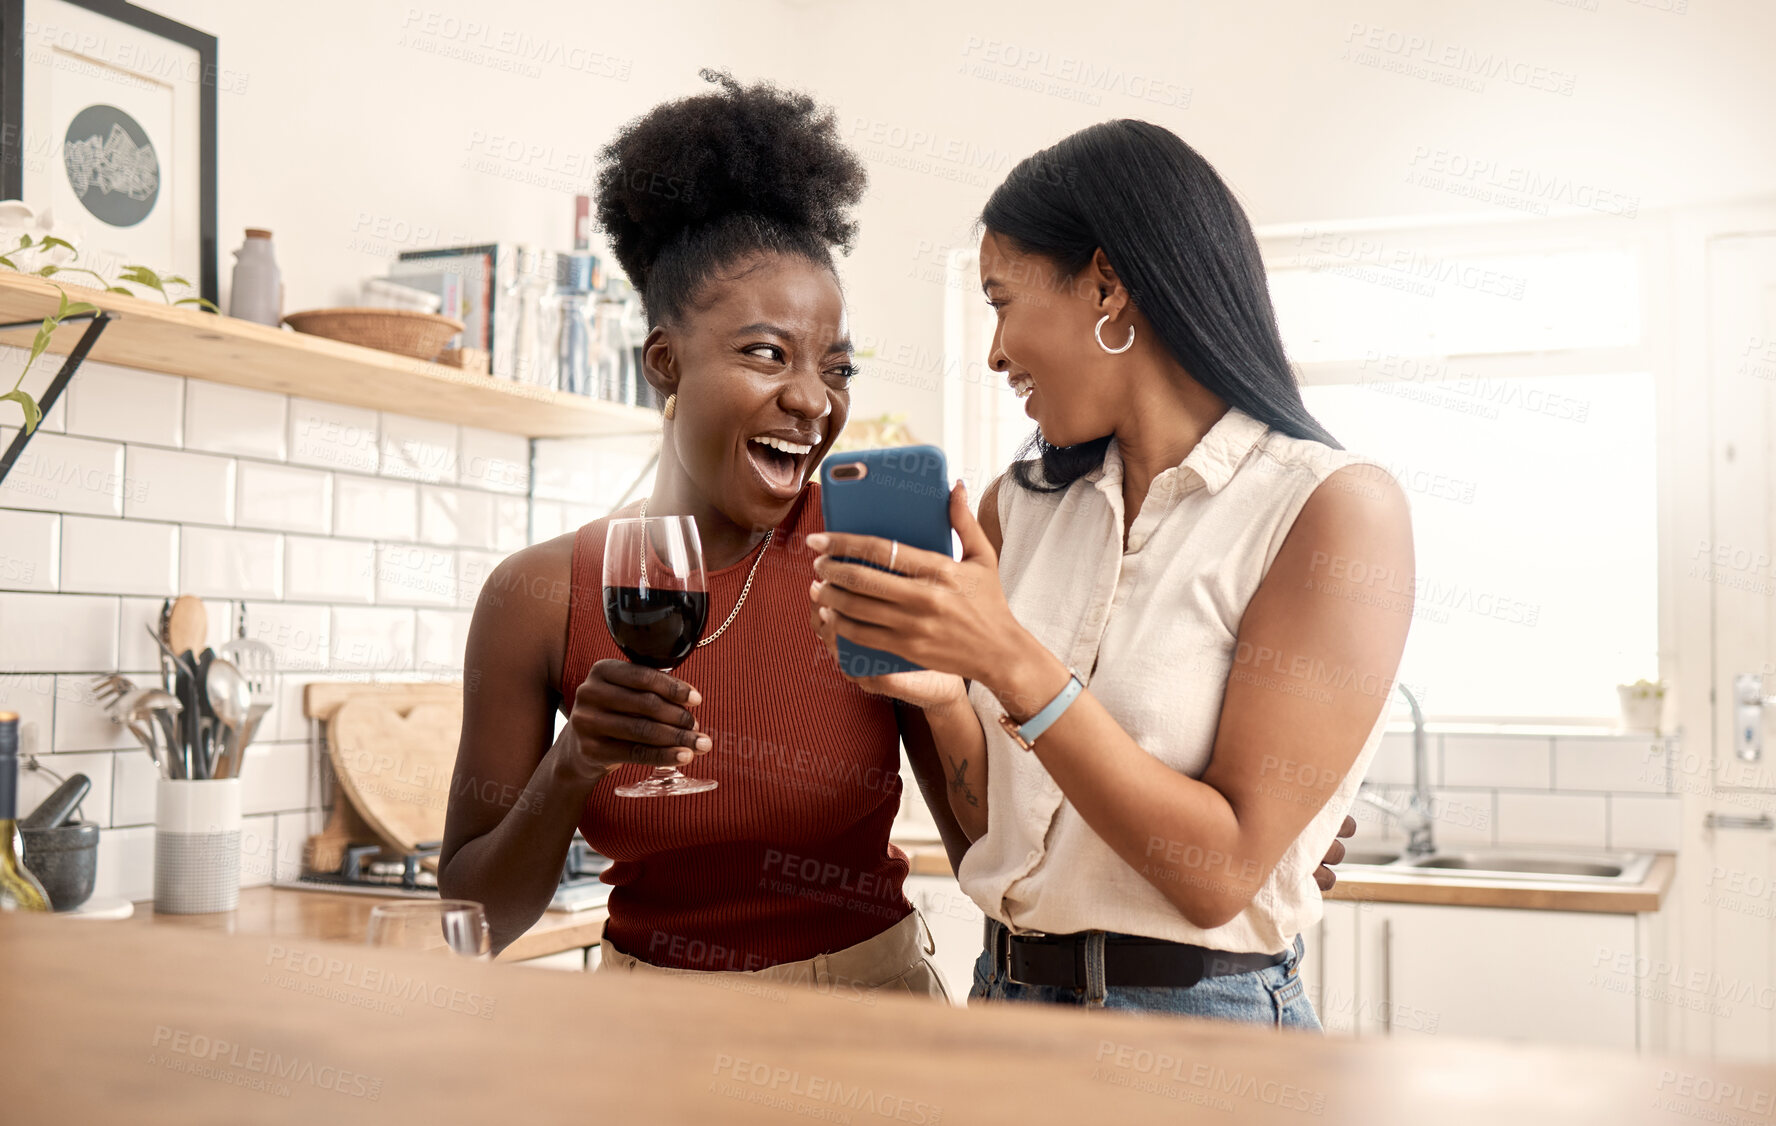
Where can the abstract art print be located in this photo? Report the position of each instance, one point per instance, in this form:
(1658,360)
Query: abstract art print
(108,119)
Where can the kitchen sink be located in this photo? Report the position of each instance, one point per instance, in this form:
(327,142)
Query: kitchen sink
(1368,857)
(1518,864)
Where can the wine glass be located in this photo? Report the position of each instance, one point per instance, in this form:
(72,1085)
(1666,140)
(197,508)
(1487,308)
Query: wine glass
(432,924)
(656,601)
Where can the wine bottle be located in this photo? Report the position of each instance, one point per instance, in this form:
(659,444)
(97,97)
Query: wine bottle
(19,889)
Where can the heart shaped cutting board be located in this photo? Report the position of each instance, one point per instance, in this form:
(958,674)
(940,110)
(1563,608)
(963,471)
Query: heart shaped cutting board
(396,768)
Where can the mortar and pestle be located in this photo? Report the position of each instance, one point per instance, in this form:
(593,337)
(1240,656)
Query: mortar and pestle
(62,854)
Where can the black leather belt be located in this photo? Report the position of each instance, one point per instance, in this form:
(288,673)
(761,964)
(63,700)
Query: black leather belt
(1130,961)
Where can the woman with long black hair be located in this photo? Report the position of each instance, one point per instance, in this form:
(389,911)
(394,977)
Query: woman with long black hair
(1191,544)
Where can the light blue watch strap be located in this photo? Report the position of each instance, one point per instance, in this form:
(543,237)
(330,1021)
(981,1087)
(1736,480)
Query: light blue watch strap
(1044,719)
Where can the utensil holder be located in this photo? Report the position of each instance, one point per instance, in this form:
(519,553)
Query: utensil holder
(197,828)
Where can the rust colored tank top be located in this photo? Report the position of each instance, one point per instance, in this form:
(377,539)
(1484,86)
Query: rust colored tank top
(789,857)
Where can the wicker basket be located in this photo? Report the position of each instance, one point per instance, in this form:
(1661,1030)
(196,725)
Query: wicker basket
(401,331)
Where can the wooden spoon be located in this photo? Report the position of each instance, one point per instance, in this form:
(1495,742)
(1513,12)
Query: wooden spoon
(188,624)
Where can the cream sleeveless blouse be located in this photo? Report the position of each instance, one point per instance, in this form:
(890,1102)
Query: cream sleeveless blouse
(1153,631)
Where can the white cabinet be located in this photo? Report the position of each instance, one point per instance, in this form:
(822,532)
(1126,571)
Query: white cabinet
(1570,977)
(1329,968)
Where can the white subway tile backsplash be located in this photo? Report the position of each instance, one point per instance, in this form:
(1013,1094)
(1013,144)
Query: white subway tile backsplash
(372,508)
(35,785)
(293,831)
(592,471)
(1646,821)
(1552,819)
(33,697)
(472,569)
(284,499)
(83,724)
(1392,764)
(36,383)
(104,556)
(57,633)
(1629,763)
(135,649)
(372,639)
(258,841)
(418,449)
(30,550)
(494,461)
(174,485)
(221,618)
(1462,817)
(333,436)
(451,517)
(125,405)
(126,864)
(1510,761)
(440,638)
(326,570)
(58,473)
(236,420)
(226,563)
(276,777)
(414,575)
(132,788)
(286,721)
(297,632)
(511,524)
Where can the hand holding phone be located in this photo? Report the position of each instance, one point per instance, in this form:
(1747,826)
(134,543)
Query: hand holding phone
(900,494)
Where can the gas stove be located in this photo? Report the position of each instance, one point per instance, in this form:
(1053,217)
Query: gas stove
(372,870)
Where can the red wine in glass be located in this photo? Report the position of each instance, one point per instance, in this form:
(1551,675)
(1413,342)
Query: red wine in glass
(655,627)
(656,603)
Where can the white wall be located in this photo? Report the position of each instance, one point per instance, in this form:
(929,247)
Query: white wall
(356,134)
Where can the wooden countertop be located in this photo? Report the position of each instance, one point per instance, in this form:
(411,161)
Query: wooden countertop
(1374,885)
(108,1022)
(285,913)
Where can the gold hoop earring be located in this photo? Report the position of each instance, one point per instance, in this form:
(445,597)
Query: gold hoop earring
(671,407)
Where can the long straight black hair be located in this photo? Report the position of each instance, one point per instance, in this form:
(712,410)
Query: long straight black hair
(1181,243)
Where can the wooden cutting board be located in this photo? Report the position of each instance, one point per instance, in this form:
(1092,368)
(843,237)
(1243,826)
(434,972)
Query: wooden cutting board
(395,766)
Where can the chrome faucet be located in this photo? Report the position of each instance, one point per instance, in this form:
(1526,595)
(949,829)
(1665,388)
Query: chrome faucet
(1414,815)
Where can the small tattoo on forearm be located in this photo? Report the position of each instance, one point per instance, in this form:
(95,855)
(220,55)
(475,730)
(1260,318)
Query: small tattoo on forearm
(959,783)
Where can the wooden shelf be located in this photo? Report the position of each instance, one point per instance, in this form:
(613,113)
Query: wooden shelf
(183,341)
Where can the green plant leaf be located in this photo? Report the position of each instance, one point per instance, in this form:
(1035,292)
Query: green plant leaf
(62,306)
(24,241)
(201,302)
(44,332)
(120,289)
(47,271)
(7,262)
(26,404)
(175,279)
(50,242)
(142,275)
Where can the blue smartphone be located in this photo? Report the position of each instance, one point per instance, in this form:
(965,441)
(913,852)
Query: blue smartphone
(898,494)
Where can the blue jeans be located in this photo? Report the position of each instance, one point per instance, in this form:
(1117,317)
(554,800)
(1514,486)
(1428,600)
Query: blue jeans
(1274,996)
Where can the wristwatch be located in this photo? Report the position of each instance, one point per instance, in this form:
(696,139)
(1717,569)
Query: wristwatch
(1026,734)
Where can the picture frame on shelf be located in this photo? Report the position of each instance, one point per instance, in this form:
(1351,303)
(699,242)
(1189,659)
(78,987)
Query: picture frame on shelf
(108,121)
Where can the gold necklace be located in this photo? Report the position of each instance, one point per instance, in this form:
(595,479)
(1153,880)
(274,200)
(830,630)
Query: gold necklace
(744,591)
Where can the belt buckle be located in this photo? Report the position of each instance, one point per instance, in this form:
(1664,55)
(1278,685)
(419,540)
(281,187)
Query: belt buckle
(1009,935)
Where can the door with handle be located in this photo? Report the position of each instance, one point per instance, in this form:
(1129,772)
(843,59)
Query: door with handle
(1734,994)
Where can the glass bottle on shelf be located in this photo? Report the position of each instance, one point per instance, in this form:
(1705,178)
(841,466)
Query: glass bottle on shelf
(638,391)
(571,323)
(534,359)
(614,356)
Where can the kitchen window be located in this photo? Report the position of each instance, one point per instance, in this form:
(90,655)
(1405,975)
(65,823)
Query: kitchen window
(1501,373)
